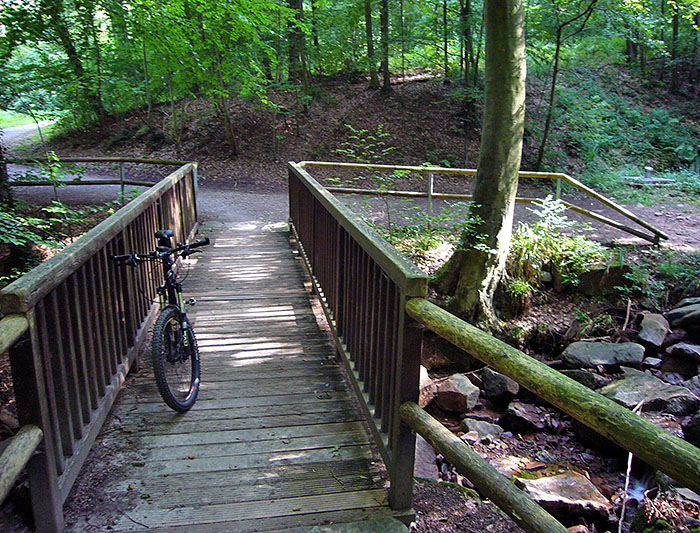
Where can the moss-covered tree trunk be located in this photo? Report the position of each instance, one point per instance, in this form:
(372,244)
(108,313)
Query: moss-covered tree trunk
(5,193)
(473,272)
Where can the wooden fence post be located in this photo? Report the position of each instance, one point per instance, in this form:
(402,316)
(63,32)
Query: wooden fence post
(403,441)
(32,408)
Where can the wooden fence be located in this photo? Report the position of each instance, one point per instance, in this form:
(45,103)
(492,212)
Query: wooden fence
(655,236)
(363,284)
(85,320)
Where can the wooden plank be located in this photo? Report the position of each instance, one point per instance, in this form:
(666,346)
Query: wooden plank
(11,329)
(252,510)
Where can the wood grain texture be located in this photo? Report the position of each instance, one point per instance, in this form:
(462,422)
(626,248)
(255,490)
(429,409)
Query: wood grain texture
(275,439)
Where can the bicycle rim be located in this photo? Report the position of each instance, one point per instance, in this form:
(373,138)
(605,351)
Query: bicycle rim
(175,360)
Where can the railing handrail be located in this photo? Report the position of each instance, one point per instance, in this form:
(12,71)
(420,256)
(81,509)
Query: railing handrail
(403,272)
(15,457)
(489,481)
(22,294)
(557,176)
(654,445)
(42,159)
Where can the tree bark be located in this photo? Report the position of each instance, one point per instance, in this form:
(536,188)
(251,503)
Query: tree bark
(475,269)
(5,192)
(675,81)
(297,53)
(55,11)
(373,78)
(384,22)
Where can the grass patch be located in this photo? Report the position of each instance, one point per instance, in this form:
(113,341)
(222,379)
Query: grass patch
(10,118)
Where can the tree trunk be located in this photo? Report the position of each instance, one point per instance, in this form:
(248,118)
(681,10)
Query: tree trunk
(675,82)
(466,13)
(58,23)
(550,105)
(373,78)
(295,37)
(475,269)
(384,21)
(445,39)
(5,192)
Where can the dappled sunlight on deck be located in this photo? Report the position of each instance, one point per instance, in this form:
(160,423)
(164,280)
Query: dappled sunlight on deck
(275,439)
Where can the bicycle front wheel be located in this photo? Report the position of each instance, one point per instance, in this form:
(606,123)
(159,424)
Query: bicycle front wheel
(175,359)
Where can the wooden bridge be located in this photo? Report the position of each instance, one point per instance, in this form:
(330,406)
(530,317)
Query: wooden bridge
(282,437)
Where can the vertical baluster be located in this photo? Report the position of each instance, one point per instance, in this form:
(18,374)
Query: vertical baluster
(352,303)
(98,327)
(105,311)
(75,355)
(344,318)
(338,269)
(82,340)
(116,307)
(56,382)
(382,333)
(389,377)
(375,303)
(362,312)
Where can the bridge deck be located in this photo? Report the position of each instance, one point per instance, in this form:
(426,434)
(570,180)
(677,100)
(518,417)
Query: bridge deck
(274,441)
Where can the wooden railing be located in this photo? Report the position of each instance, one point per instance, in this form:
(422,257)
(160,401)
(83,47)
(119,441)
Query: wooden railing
(363,284)
(84,321)
(557,177)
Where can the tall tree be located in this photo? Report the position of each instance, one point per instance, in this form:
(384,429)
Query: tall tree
(577,22)
(384,22)
(5,193)
(472,273)
(373,78)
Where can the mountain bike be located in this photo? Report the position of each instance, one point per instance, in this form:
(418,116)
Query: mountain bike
(174,351)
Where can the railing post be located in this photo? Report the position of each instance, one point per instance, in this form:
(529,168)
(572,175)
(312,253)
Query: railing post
(32,408)
(121,182)
(403,438)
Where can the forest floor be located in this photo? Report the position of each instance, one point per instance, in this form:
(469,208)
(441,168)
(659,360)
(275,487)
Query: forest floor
(425,123)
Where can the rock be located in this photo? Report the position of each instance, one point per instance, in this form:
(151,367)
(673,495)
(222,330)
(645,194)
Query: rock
(425,465)
(457,394)
(427,389)
(652,362)
(637,386)
(584,354)
(498,388)
(672,378)
(674,315)
(524,417)
(587,378)
(483,429)
(441,355)
(688,301)
(693,385)
(691,431)
(472,437)
(679,365)
(667,422)
(568,494)
(674,337)
(654,330)
(603,280)
(693,332)
(685,350)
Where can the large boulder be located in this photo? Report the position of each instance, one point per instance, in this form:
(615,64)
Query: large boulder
(582,354)
(457,394)
(603,279)
(498,388)
(693,385)
(691,431)
(657,395)
(568,494)
(654,329)
(427,389)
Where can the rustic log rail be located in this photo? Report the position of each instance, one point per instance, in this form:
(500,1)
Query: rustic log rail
(16,455)
(84,321)
(363,284)
(555,176)
(654,445)
(122,182)
(492,484)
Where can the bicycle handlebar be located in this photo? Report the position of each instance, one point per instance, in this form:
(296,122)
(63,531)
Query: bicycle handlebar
(184,249)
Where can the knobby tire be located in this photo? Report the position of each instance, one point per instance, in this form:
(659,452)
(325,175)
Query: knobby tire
(175,359)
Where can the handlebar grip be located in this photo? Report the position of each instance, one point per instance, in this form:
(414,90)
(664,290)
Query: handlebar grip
(121,257)
(202,242)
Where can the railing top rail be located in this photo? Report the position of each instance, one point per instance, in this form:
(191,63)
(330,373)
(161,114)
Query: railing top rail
(22,294)
(100,160)
(522,174)
(408,277)
(11,330)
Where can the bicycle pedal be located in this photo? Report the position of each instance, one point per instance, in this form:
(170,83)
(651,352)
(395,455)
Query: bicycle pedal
(191,301)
